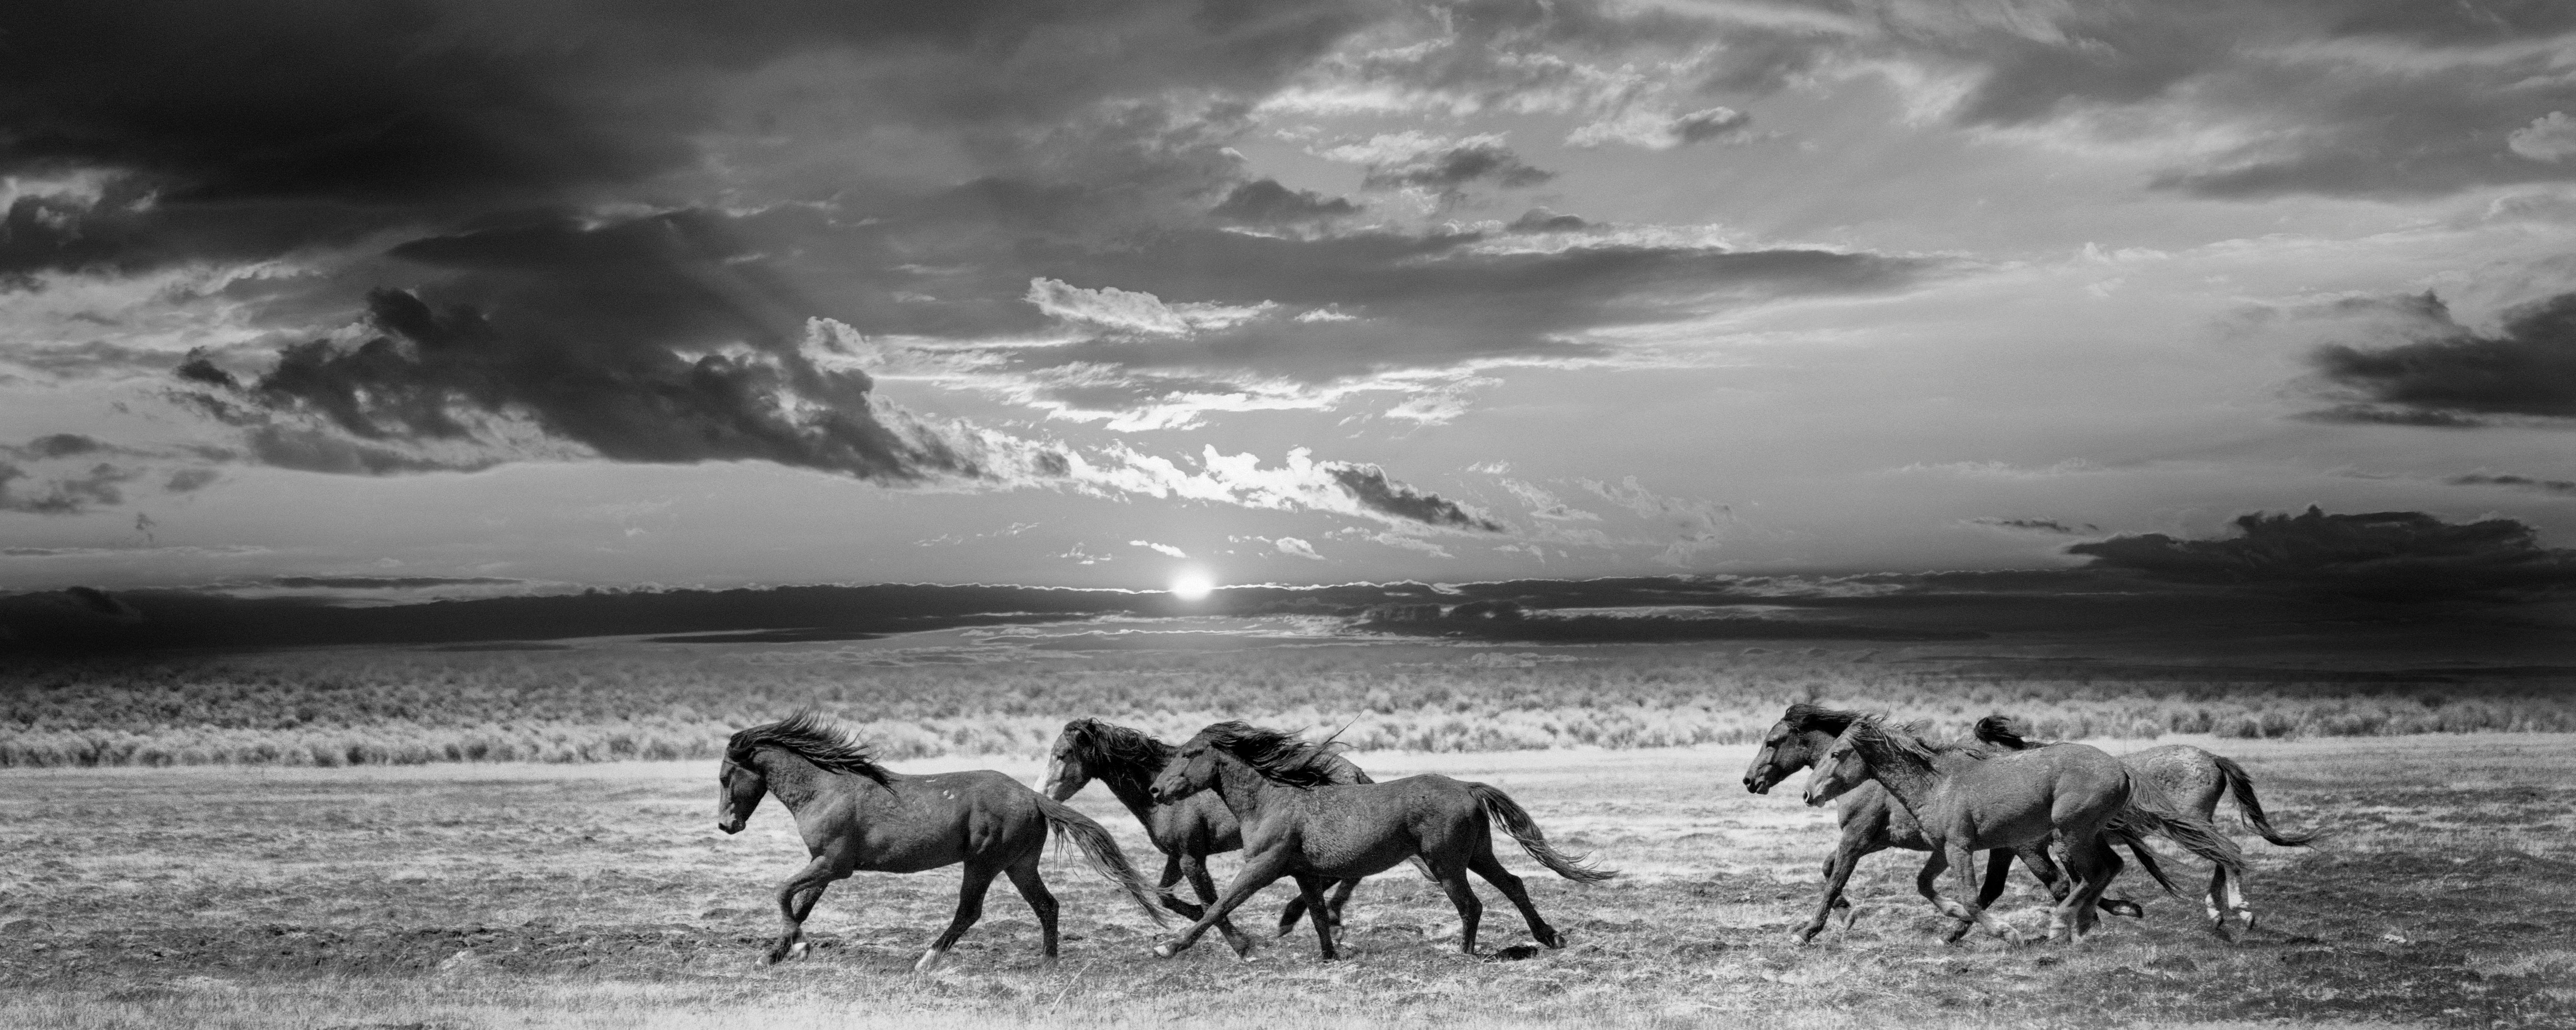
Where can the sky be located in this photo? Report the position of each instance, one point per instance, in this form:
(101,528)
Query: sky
(412,299)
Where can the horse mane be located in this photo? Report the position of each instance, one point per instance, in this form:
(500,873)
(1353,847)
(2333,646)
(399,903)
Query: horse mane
(807,736)
(1279,757)
(2002,731)
(1871,732)
(1110,750)
(1811,718)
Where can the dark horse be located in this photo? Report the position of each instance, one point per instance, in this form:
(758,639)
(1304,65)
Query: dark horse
(1298,823)
(856,815)
(1872,822)
(1187,831)
(2194,779)
(2073,793)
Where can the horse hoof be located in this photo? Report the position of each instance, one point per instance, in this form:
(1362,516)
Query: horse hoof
(1554,939)
(930,961)
(1165,950)
(2125,907)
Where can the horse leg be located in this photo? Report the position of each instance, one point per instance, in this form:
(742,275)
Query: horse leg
(1999,872)
(2236,901)
(1172,875)
(1024,875)
(1838,871)
(1195,866)
(1257,872)
(2095,865)
(1341,897)
(796,900)
(1310,888)
(1470,909)
(1960,862)
(970,907)
(2217,902)
(1491,868)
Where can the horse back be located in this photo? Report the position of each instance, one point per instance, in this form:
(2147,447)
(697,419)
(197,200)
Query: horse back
(2187,775)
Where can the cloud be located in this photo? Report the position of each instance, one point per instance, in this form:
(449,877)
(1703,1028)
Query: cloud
(1660,130)
(1413,160)
(98,486)
(1369,485)
(2551,137)
(388,582)
(2454,377)
(1701,524)
(2561,487)
(1122,311)
(2037,526)
(2396,556)
(1266,202)
(1166,549)
(1296,548)
(190,480)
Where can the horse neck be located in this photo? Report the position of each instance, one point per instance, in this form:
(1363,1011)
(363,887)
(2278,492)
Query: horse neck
(1131,784)
(1910,779)
(1242,787)
(1812,746)
(792,780)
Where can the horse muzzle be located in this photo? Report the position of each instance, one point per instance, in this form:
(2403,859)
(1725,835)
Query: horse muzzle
(730,826)
(1759,784)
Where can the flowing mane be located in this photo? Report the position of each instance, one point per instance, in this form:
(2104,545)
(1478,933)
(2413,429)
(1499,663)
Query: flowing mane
(1278,757)
(1807,718)
(1875,737)
(807,736)
(2003,732)
(1113,753)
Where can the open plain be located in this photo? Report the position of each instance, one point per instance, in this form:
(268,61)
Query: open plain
(601,895)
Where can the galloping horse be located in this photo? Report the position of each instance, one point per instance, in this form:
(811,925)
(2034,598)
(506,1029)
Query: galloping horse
(1297,822)
(856,815)
(1187,830)
(1964,804)
(2194,779)
(1871,822)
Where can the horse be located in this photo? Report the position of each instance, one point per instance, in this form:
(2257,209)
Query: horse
(1298,823)
(2194,779)
(1186,831)
(857,815)
(1871,822)
(2072,792)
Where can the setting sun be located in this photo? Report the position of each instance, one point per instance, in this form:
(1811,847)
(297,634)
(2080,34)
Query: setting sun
(1192,585)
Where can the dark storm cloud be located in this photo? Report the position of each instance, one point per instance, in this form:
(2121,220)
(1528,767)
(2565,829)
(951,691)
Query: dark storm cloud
(1266,202)
(1703,126)
(1368,484)
(614,337)
(2400,556)
(190,480)
(2561,487)
(1448,169)
(2460,377)
(1539,219)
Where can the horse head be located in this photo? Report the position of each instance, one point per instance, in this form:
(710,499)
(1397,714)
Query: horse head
(739,788)
(1840,769)
(1194,771)
(1066,774)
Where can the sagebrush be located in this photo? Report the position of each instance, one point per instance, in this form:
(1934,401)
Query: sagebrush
(343,707)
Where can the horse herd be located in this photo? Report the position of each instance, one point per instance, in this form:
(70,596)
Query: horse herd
(1297,809)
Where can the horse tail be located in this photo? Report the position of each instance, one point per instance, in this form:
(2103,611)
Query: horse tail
(1508,814)
(2122,834)
(1101,850)
(2150,811)
(2242,786)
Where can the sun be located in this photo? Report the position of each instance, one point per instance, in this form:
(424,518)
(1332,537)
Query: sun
(1192,585)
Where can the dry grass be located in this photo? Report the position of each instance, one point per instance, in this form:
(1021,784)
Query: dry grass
(610,702)
(599,895)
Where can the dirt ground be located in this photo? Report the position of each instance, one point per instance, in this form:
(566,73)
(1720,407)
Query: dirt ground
(602,895)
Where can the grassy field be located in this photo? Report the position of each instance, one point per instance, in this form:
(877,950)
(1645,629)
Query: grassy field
(977,692)
(507,895)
